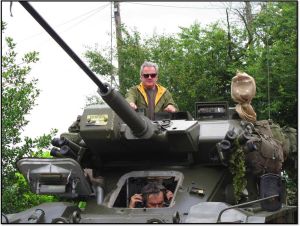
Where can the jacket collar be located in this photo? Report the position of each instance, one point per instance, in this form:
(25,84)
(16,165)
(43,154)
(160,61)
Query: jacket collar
(160,91)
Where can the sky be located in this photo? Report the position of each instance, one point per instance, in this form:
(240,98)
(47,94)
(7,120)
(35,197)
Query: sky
(64,86)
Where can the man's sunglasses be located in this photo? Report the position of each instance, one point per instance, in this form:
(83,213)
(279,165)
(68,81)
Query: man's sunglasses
(151,75)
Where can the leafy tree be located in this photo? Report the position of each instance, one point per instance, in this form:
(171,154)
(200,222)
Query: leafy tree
(271,59)
(19,94)
(276,27)
(99,64)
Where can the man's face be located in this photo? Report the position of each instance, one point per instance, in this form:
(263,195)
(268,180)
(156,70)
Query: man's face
(151,77)
(155,200)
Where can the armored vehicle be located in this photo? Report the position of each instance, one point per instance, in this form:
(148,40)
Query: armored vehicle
(112,151)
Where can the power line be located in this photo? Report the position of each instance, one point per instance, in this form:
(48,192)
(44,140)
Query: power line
(103,7)
(84,14)
(111,37)
(180,7)
(91,12)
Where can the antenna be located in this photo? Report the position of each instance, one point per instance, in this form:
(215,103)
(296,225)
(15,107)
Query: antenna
(268,72)
(268,68)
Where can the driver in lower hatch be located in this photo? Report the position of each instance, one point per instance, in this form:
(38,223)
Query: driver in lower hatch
(153,195)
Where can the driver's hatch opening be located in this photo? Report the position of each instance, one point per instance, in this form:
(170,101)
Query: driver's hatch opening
(134,182)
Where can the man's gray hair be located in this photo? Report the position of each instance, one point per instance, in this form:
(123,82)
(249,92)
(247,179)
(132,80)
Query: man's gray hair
(149,64)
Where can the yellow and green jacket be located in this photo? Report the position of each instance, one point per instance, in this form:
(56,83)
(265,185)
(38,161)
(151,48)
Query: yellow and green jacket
(137,95)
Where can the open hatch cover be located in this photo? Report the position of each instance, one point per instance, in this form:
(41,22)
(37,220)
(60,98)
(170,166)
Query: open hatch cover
(62,177)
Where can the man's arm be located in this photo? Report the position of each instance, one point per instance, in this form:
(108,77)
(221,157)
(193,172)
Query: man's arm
(131,97)
(171,106)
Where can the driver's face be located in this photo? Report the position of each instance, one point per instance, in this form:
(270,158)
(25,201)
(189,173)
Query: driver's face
(155,200)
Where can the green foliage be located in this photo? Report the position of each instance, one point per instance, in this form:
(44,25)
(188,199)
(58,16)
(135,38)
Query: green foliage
(19,197)
(18,97)
(237,168)
(3,25)
(19,94)
(275,54)
(292,189)
(98,63)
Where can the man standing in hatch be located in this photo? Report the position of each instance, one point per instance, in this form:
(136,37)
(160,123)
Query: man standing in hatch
(150,95)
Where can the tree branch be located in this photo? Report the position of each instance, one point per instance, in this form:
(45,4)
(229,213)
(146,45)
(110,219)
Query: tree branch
(250,37)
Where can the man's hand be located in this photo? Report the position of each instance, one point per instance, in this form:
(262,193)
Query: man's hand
(133,105)
(134,199)
(169,195)
(170,108)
